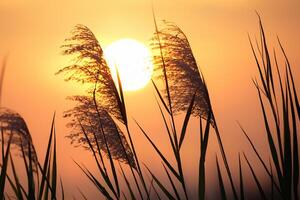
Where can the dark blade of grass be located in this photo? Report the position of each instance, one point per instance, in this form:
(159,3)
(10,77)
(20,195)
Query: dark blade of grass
(124,195)
(14,187)
(156,192)
(4,166)
(44,175)
(259,157)
(258,65)
(186,120)
(201,183)
(46,161)
(270,140)
(5,157)
(167,128)
(2,145)
(292,79)
(242,193)
(18,190)
(295,155)
(150,188)
(221,184)
(62,190)
(90,176)
(172,183)
(160,97)
(103,173)
(159,153)
(163,62)
(46,193)
(31,183)
(82,194)
(128,184)
(123,109)
(272,181)
(287,167)
(161,186)
(261,191)
(138,166)
(220,143)
(268,60)
(54,170)
(268,79)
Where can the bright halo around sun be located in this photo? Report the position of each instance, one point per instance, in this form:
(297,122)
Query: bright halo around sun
(133,60)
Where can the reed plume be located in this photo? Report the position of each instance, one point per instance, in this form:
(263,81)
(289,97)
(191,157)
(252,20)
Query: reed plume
(100,129)
(172,53)
(90,67)
(12,123)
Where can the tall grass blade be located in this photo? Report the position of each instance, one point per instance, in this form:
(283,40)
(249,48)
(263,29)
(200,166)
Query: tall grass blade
(128,184)
(17,190)
(186,120)
(4,166)
(172,183)
(47,160)
(161,186)
(160,154)
(92,178)
(260,159)
(261,191)
(54,170)
(201,183)
(160,97)
(242,193)
(221,183)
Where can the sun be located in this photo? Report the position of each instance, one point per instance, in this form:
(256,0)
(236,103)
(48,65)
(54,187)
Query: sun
(133,61)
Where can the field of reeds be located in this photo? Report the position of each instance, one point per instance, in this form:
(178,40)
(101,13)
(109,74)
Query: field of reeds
(99,123)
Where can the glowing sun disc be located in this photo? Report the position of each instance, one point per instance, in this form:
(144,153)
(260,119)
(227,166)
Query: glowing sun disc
(133,61)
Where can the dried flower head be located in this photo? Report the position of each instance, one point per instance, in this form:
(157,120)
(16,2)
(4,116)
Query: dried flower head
(100,129)
(90,67)
(12,123)
(172,53)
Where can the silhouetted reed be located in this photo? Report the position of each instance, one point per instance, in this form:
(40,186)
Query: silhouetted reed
(181,68)
(12,123)
(90,67)
(100,129)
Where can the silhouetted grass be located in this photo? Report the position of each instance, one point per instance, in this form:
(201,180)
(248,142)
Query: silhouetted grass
(94,123)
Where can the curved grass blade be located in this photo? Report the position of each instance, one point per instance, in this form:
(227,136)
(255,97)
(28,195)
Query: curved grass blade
(161,186)
(54,170)
(221,184)
(159,153)
(186,120)
(204,144)
(242,193)
(172,183)
(128,184)
(261,191)
(4,166)
(46,161)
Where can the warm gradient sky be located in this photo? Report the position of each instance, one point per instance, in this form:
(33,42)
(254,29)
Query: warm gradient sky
(32,32)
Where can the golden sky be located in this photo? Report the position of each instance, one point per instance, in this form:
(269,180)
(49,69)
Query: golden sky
(32,32)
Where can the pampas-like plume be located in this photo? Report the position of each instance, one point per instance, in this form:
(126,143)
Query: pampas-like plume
(90,67)
(98,125)
(13,123)
(172,51)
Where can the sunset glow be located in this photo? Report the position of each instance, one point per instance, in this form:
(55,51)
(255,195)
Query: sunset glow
(133,61)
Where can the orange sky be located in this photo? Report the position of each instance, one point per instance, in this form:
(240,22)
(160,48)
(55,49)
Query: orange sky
(32,32)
